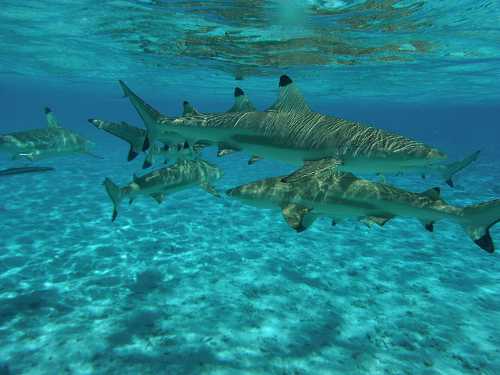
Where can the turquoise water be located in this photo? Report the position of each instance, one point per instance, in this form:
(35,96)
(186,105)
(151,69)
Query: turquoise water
(205,285)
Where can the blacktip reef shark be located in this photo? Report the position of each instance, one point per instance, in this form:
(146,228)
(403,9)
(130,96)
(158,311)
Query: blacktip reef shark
(135,136)
(290,132)
(24,170)
(167,180)
(36,144)
(344,195)
(169,145)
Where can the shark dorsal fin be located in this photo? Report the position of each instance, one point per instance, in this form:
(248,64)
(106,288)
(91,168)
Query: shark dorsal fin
(188,109)
(433,193)
(241,102)
(51,120)
(290,98)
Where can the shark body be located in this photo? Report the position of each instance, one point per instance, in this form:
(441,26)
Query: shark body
(290,132)
(343,195)
(52,141)
(157,184)
(24,170)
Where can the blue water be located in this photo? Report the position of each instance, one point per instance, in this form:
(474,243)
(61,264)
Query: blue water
(200,285)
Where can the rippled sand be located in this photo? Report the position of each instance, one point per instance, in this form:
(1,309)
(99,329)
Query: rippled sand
(200,285)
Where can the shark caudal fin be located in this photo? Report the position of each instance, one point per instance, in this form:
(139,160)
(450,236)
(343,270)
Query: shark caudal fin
(115,194)
(52,122)
(477,221)
(148,114)
(451,169)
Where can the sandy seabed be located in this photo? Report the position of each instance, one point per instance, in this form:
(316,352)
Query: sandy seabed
(200,285)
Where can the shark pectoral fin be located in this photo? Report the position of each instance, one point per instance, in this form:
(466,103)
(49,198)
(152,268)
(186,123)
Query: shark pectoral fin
(158,197)
(130,201)
(254,159)
(290,98)
(210,189)
(428,225)
(224,150)
(298,217)
(450,182)
(376,220)
(132,154)
(314,168)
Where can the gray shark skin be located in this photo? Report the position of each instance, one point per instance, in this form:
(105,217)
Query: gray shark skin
(290,132)
(52,141)
(157,184)
(343,195)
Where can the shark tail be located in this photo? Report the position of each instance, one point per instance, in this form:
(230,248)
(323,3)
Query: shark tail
(450,170)
(478,220)
(148,114)
(115,194)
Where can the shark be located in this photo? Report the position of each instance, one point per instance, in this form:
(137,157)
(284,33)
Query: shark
(291,132)
(343,195)
(169,145)
(24,170)
(36,144)
(135,136)
(159,183)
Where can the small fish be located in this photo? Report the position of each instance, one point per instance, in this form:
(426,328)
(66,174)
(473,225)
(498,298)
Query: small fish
(22,170)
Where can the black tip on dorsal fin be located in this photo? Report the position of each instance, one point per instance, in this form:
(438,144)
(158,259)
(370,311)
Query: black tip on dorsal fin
(429,226)
(47,110)
(115,214)
(285,80)
(185,102)
(450,182)
(238,92)
(185,145)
